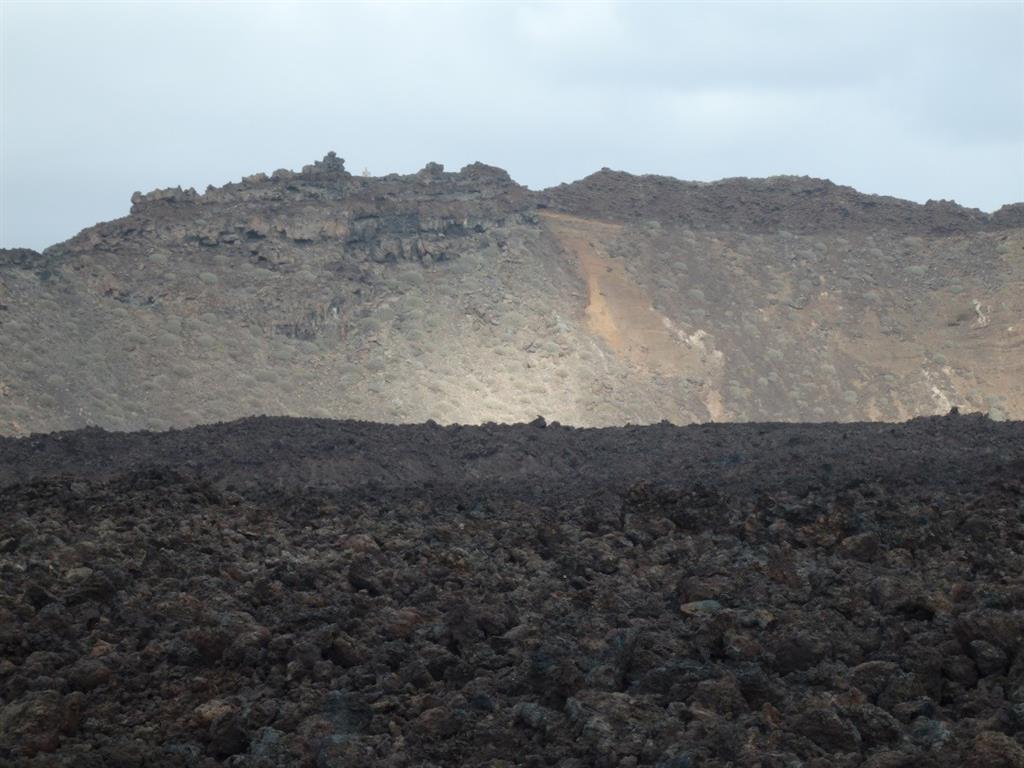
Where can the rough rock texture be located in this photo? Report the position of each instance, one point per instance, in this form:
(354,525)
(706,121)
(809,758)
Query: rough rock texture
(799,204)
(537,461)
(388,219)
(725,600)
(465,298)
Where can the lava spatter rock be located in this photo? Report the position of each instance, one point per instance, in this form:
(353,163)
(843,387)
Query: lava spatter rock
(999,628)
(992,749)
(829,730)
(990,659)
(87,674)
(799,651)
(35,722)
(363,574)
(876,726)
(227,735)
(863,546)
(438,723)
(535,716)
(872,677)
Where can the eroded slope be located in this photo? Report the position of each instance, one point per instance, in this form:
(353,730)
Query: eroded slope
(464,297)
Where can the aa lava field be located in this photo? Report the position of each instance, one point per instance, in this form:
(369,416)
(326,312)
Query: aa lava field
(317,593)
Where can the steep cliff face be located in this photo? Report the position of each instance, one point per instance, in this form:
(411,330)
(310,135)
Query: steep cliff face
(464,297)
(425,217)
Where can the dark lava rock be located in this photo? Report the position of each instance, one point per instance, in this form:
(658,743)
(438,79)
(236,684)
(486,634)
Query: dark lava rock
(227,736)
(616,616)
(828,730)
(88,674)
(36,721)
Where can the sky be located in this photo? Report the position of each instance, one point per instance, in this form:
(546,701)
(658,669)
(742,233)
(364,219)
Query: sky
(917,100)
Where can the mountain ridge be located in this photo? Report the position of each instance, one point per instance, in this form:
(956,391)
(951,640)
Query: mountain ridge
(466,297)
(696,203)
(584,196)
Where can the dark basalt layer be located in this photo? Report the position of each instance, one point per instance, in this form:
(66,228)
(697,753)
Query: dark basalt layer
(799,204)
(951,454)
(390,216)
(760,595)
(384,219)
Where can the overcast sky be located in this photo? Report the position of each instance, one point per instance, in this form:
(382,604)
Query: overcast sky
(99,100)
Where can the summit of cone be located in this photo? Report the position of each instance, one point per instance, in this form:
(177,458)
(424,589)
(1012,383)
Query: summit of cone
(466,297)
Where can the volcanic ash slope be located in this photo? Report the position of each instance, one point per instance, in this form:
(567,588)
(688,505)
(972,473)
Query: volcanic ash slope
(465,297)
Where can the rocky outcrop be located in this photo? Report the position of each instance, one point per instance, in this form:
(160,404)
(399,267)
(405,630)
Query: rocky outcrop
(1011,215)
(798,204)
(396,218)
(24,258)
(388,219)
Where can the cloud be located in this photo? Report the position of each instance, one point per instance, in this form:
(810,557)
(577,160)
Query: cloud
(101,99)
